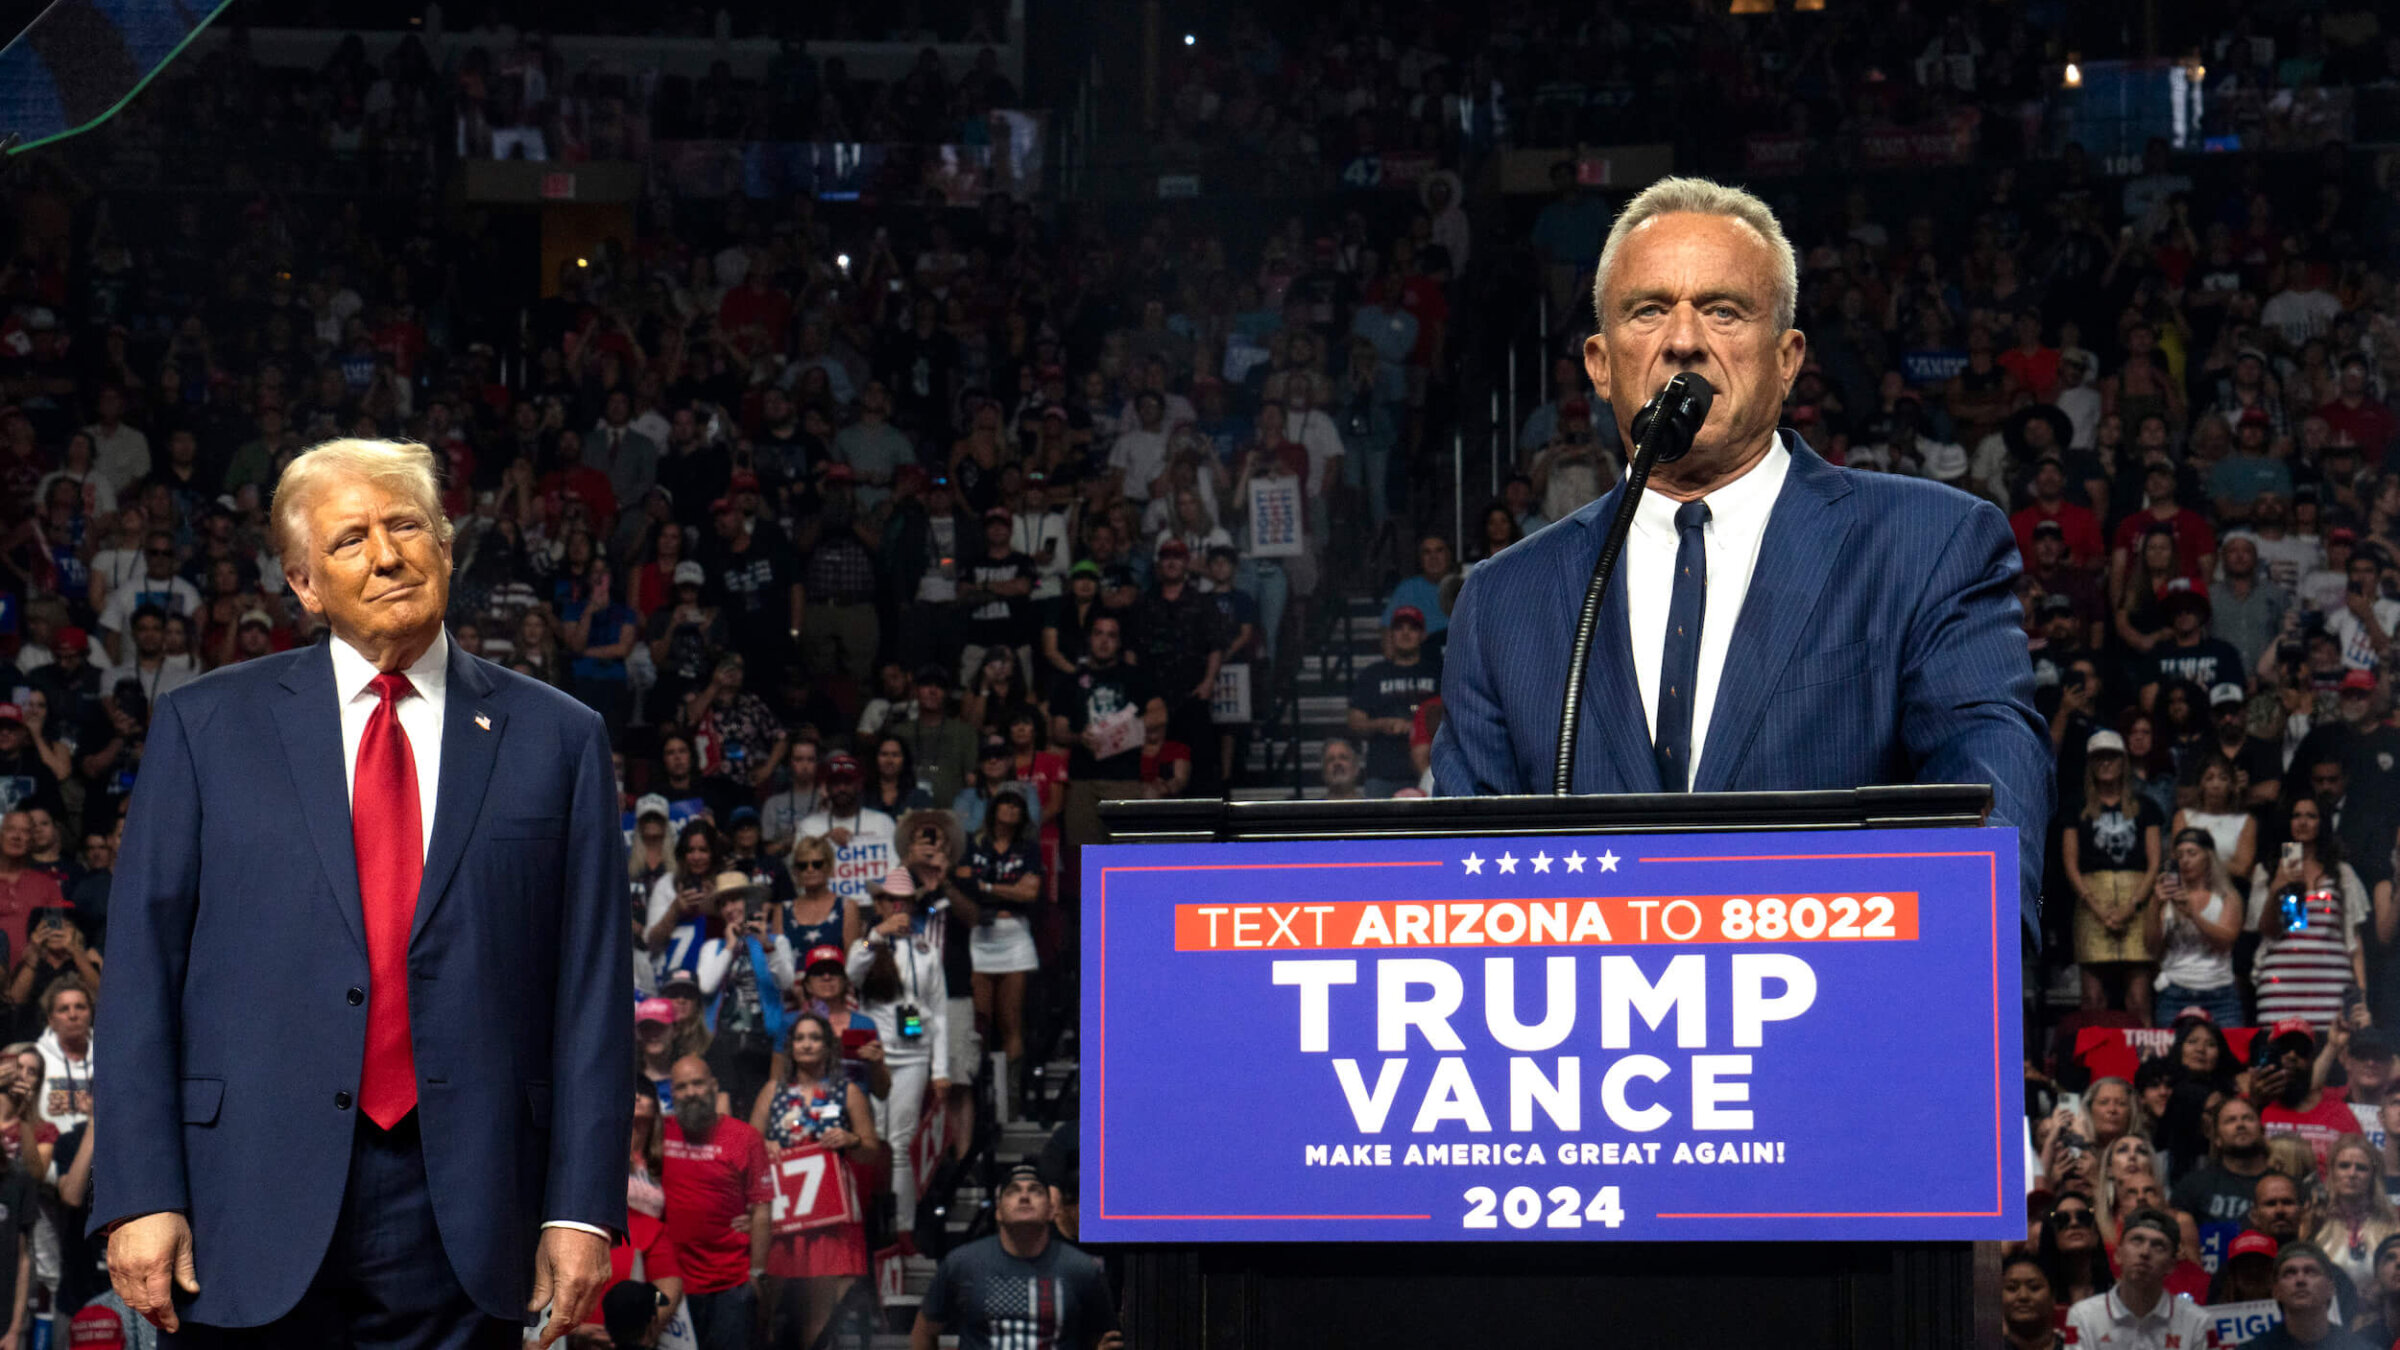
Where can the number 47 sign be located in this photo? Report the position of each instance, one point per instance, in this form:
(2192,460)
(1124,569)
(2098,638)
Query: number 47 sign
(813,1190)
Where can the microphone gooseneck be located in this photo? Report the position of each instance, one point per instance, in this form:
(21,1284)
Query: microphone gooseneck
(1662,433)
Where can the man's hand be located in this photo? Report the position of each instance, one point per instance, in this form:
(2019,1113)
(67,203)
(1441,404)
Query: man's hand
(148,1259)
(568,1270)
(1110,1340)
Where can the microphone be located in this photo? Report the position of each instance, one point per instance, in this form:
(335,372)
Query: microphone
(1662,434)
(1684,401)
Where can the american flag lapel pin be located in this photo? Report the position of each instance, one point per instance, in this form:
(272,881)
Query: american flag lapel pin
(483,722)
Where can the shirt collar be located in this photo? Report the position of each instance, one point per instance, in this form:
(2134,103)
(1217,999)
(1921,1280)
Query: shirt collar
(1747,500)
(353,672)
(2118,1312)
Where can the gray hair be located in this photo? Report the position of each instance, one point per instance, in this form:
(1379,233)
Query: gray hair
(1704,197)
(404,467)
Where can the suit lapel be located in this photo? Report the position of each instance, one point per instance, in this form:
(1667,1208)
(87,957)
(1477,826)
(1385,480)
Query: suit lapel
(310,721)
(1616,732)
(471,731)
(1806,534)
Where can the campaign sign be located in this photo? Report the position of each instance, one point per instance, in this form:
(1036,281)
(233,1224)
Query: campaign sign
(1704,1037)
(813,1189)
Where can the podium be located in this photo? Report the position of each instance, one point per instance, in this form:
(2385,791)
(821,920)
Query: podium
(1248,1284)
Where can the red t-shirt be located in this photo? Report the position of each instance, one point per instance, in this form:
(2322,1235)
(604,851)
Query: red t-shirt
(1049,766)
(12,1137)
(709,1187)
(31,890)
(2371,425)
(1424,298)
(2037,370)
(2328,1120)
(1154,763)
(2193,539)
(647,1238)
(2079,525)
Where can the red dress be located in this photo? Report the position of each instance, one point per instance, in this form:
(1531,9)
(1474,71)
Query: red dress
(795,1117)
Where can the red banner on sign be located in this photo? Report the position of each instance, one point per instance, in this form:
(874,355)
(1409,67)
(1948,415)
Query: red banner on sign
(2116,1052)
(813,1189)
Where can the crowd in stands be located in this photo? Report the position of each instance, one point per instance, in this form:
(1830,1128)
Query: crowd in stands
(892,540)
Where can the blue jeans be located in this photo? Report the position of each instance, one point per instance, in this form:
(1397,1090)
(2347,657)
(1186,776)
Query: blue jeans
(2223,1003)
(725,1320)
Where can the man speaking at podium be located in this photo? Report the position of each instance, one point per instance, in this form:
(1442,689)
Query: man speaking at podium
(1774,623)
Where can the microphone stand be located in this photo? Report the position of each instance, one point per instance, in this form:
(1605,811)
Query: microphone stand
(1671,418)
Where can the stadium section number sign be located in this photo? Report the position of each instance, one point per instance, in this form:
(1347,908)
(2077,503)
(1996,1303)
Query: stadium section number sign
(1708,1037)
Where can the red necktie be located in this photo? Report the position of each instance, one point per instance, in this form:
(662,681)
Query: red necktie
(386,831)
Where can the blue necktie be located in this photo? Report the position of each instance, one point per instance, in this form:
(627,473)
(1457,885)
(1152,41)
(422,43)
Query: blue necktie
(1679,659)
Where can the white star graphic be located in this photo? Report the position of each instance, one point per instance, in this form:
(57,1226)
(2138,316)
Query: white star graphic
(1508,862)
(1608,861)
(1474,865)
(1541,862)
(1575,862)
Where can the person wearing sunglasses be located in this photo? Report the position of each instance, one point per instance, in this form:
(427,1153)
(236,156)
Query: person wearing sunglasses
(2069,1248)
(158,585)
(815,915)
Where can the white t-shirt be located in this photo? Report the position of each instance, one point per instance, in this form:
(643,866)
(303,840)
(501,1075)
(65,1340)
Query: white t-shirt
(2358,646)
(1143,457)
(2189,960)
(2288,559)
(174,595)
(868,855)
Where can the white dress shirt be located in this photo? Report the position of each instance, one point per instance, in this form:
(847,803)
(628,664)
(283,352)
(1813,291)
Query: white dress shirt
(1738,514)
(420,717)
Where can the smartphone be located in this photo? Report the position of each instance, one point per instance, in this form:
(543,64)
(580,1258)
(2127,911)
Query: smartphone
(2292,853)
(2295,912)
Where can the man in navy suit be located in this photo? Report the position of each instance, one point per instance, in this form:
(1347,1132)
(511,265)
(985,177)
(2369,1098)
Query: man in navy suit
(1774,622)
(368,969)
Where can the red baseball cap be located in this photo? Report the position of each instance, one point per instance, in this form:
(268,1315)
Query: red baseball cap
(96,1328)
(1173,547)
(820,955)
(1408,614)
(71,640)
(2292,1026)
(841,764)
(653,1010)
(2359,679)
(745,481)
(2250,1242)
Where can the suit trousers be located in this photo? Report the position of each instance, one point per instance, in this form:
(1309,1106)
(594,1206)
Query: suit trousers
(386,1283)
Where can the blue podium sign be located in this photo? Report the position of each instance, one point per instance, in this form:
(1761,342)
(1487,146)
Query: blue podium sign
(1802,1036)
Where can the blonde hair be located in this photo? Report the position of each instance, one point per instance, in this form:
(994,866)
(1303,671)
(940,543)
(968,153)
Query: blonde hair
(2381,1220)
(404,467)
(1704,197)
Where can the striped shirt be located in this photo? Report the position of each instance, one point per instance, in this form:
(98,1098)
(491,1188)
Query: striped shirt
(2303,972)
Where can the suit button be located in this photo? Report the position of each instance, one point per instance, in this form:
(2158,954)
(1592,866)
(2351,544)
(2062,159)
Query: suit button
(341,1101)
(357,996)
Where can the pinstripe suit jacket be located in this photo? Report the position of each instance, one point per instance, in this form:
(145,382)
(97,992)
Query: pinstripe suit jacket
(1879,643)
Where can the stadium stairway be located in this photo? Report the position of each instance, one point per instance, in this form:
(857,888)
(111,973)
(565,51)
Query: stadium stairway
(1289,744)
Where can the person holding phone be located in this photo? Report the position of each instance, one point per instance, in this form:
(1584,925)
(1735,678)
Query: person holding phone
(744,975)
(2307,912)
(2193,921)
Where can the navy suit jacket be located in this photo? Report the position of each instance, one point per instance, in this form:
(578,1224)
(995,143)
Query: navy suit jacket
(237,968)
(1880,642)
